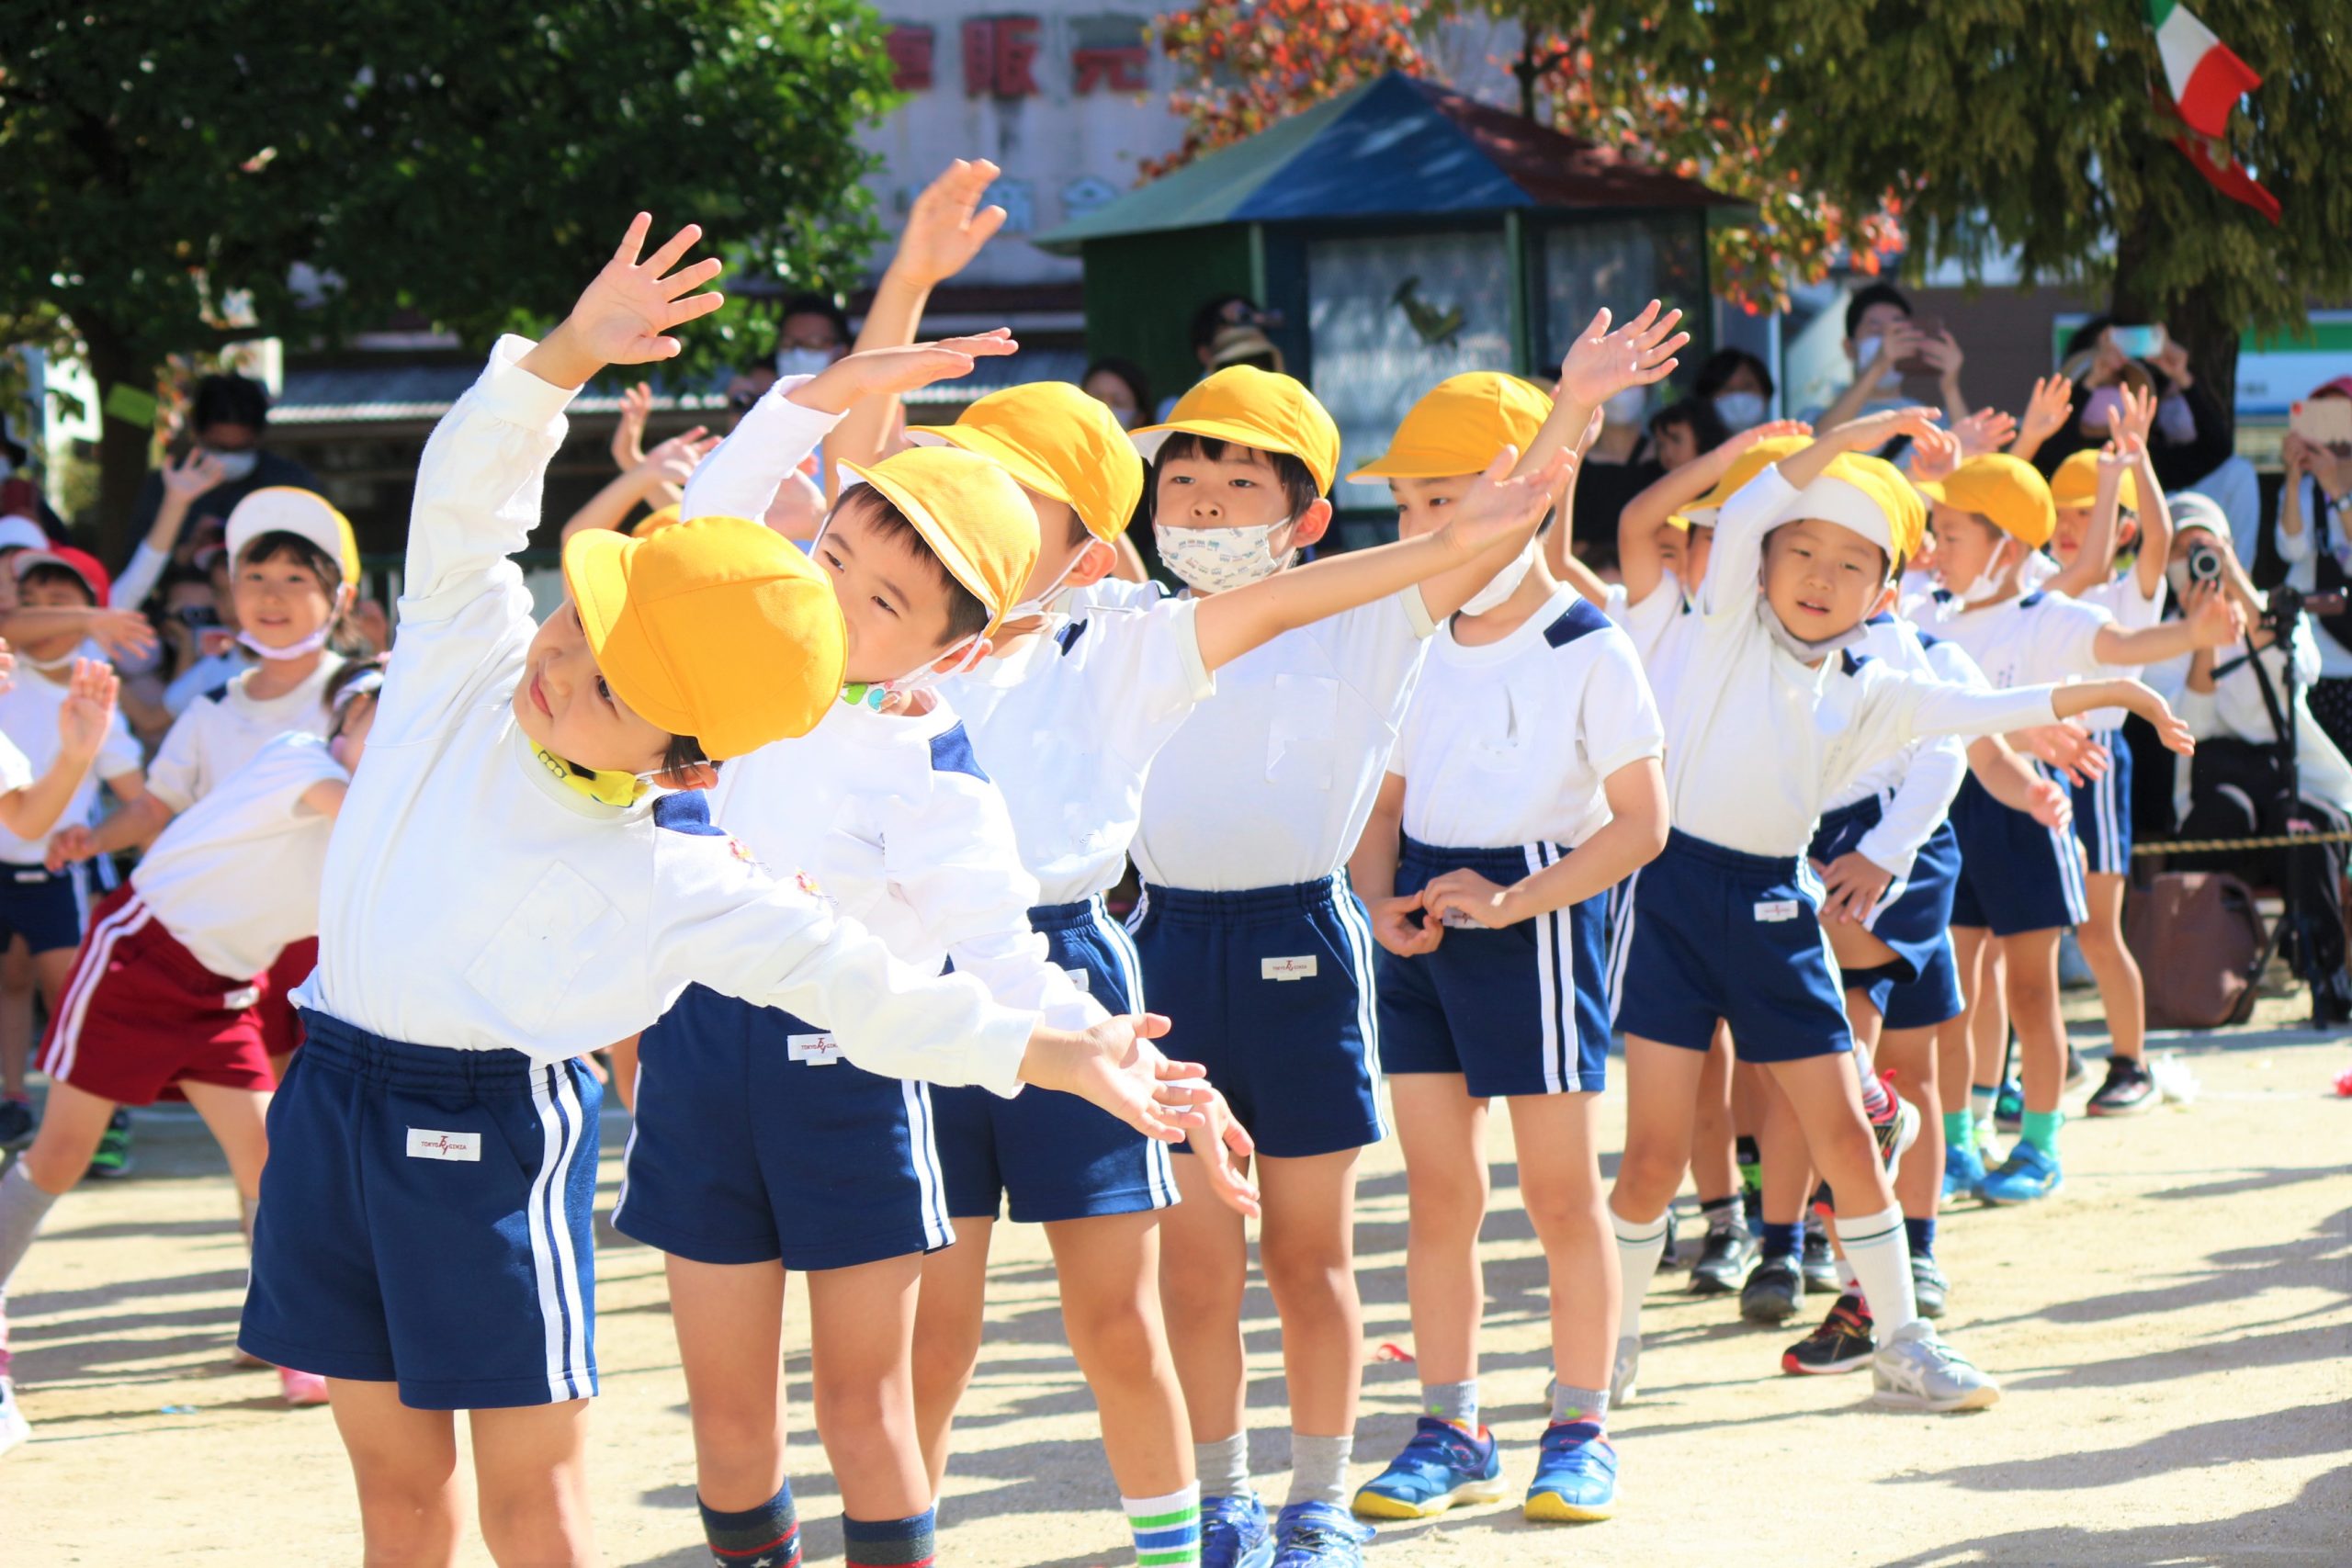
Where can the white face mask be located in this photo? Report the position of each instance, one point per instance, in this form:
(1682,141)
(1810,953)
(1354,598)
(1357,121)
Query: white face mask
(1989,582)
(303,649)
(1739,410)
(1043,603)
(1625,407)
(1214,559)
(235,466)
(802,361)
(1866,350)
(1503,584)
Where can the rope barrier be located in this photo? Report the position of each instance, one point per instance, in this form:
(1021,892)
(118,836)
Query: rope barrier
(2271,841)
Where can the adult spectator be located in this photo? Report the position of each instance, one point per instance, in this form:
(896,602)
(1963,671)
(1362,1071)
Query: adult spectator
(814,332)
(1680,432)
(1738,386)
(1209,322)
(2191,445)
(2312,538)
(1881,339)
(1120,385)
(1617,468)
(19,495)
(229,419)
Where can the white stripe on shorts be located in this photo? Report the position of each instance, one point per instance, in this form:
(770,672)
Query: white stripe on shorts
(563,1324)
(1159,1172)
(1547,978)
(1359,934)
(938,1229)
(1621,943)
(73,1008)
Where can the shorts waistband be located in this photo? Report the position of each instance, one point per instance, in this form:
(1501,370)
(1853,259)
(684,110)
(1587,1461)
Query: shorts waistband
(396,1064)
(1691,846)
(1199,904)
(30,873)
(1867,811)
(1492,863)
(1084,915)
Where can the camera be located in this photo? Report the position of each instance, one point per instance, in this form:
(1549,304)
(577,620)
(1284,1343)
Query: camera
(2204,564)
(197,617)
(2287,603)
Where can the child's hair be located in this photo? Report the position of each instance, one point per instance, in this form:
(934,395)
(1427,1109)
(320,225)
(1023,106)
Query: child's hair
(966,616)
(1698,416)
(282,544)
(682,753)
(1290,472)
(50,572)
(1716,371)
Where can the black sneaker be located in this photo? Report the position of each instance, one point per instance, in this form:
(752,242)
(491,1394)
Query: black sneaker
(1927,1285)
(1773,1292)
(1820,1264)
(2130,1089)
(18,1123)
(113,1156)
(1844,1343)
(1722,1261)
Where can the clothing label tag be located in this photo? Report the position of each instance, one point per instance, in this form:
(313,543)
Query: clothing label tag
(1778,909)
(35,875)
(423,1143)
(1080,978)
(1301,968)
(817,1050)
(239,1000)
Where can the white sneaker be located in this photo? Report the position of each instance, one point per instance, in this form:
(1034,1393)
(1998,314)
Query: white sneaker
(14,1427)
(1915,1370)
(1625,1374)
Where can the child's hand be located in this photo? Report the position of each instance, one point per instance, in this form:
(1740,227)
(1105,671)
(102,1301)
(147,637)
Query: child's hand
(1394,928)
(2214,619)
(1499,506)
(1935,454)
(2049,803)
(7,665)
(1873,431)
(2135,415)
(1467,894)
(2143,701)
(1601,363)
(1852,885)
(1987,430)
(192,475)
(1223,1145)
(2066,746)
(1765,431)
(368,619)
(125,634)
(70,845)
(947,226)
(1114,1066)
(626,314)
(81,720)
(887,372)
(2047,412)
(674,461)
(628,431)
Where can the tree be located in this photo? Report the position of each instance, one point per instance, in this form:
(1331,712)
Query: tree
(179,179)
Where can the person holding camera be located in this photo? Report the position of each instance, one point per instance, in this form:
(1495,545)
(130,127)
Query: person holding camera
(2314,519)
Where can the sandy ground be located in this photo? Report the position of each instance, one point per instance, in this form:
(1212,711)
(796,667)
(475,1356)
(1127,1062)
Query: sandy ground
(2174,1335)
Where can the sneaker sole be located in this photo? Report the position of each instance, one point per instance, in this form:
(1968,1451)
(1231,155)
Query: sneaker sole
(1974,1399)
(1709,1285)
(1789,1364)
(2139,1108)
(1551,1508)
(1371,1505)
(2020,1201)
(1769,1314)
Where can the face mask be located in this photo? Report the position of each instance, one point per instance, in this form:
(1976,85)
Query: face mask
(303,649)
(1213,559)
(802,361)
(1803,651)
(1989,582)
(2101,407)
(235,466)
(1739,410)
(877,694)
(1043,603)
(1503,584)
(2174,423)
(1625,407)
(1866,350)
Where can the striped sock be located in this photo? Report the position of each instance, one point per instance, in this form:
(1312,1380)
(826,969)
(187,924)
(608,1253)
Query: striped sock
(889,1543)
(1640,1246)
(1876,1245)
(1167,1530)
(769,1533)
(1875,1102)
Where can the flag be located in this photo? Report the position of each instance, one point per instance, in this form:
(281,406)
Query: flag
(2226,174)
(2205,78)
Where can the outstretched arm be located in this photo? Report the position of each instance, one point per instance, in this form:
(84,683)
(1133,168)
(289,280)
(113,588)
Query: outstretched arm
(81,725)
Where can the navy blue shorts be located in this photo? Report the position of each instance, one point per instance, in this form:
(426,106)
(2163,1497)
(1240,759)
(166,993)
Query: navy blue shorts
(46,908)
(2016,876)
(425,1220)
(755,1141)
(1053,1155)
(1717,935)
(1270,988)
(2103,811)
(1522,1009)
(1913,917)
(1933,999)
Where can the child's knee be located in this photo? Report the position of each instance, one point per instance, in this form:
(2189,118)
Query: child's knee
(1566,1210)
(1646,1178)
(1116,1337)
(1302,1271)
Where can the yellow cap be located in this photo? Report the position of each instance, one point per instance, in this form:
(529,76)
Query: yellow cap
(2007,492)
(2077,483)
(1907,511)
(719,629)
(1262,409)
(290,509)
(1459,425)
(1057,441)
(1743,468)
(970,512)
(654,521)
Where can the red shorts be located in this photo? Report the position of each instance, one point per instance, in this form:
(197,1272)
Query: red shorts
(281,1026)
(138,1013)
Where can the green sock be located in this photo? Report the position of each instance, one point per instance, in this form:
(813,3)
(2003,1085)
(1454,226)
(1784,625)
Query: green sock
(2041,1129)
(1960,1130)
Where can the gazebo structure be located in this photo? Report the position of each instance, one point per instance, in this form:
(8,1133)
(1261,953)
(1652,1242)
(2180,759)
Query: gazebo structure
(1396,234)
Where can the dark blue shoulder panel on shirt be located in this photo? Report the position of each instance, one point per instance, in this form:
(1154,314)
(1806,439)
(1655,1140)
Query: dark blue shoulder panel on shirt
(1578,620)
(1927,641)
(951,752)
(1942,596)
(1854,661)
(2030,600)
(686,811)
(1067,636)
(1884,618)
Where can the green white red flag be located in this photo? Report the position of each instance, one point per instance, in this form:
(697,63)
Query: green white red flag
(2205,79)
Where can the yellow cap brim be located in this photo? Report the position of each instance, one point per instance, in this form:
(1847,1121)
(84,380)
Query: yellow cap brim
(1026,471)
(1686,523)
(1424,466)
(951,554)
(595,569)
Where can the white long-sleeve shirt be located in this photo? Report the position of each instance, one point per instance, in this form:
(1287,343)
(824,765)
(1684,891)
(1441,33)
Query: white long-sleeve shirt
(1916,786)
(741,475)
(473,902)
(1756,740)
(2300,552)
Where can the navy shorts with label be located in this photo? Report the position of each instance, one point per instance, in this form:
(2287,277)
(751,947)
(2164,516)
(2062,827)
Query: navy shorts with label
(1053,1155)
(425,1220)
(2016,876)
(1933,999)
(46,908)
(755,1141)
(2103,810)
(1715,934)
(1522,1009)
(1270,988)
(1913,917)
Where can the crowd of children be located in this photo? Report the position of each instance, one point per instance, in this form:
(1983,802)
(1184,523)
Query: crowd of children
(814,836)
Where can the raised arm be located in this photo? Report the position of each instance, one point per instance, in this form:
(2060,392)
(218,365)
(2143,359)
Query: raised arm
(184,480)
(1598,366)
(668,466)
(82,725)
(2094,562)
(2046,413)
(2213,620)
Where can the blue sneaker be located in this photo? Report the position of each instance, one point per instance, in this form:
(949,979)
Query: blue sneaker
(1441,1466)
(1233,1533)
(2028,1173)
(2009,1106)
(1575,1475)
(1963,1173)
(1316,1535)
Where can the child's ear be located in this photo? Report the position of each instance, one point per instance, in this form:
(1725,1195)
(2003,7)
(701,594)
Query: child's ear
(1887,596)
(964,658)
(1095,562)
(1311,524)
(2127,529)
(694,775)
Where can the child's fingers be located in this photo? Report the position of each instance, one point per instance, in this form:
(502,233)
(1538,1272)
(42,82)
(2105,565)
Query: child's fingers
(673,250)
(692,277)
(694,308)
(633,240)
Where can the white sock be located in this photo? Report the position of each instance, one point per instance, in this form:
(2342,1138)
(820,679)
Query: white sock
(1880,1256)
(1640,1247)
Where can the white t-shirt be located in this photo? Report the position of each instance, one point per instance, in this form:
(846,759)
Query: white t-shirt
(473,901)
(216,735)
(15,768)
(1269,783)
(29,711)
(1070,723)
(211,671)
(1914,787)
(235,877)
(2039,639)
(1662,626)
(1510,743)
(901,827)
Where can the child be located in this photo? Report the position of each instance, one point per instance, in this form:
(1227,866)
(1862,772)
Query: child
(1247,931)
(44,910)
(1525,783)
(505,895)
(162,992)
(2021,883)
(1723,924)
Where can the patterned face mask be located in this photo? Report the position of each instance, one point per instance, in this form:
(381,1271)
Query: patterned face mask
(1214,559)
